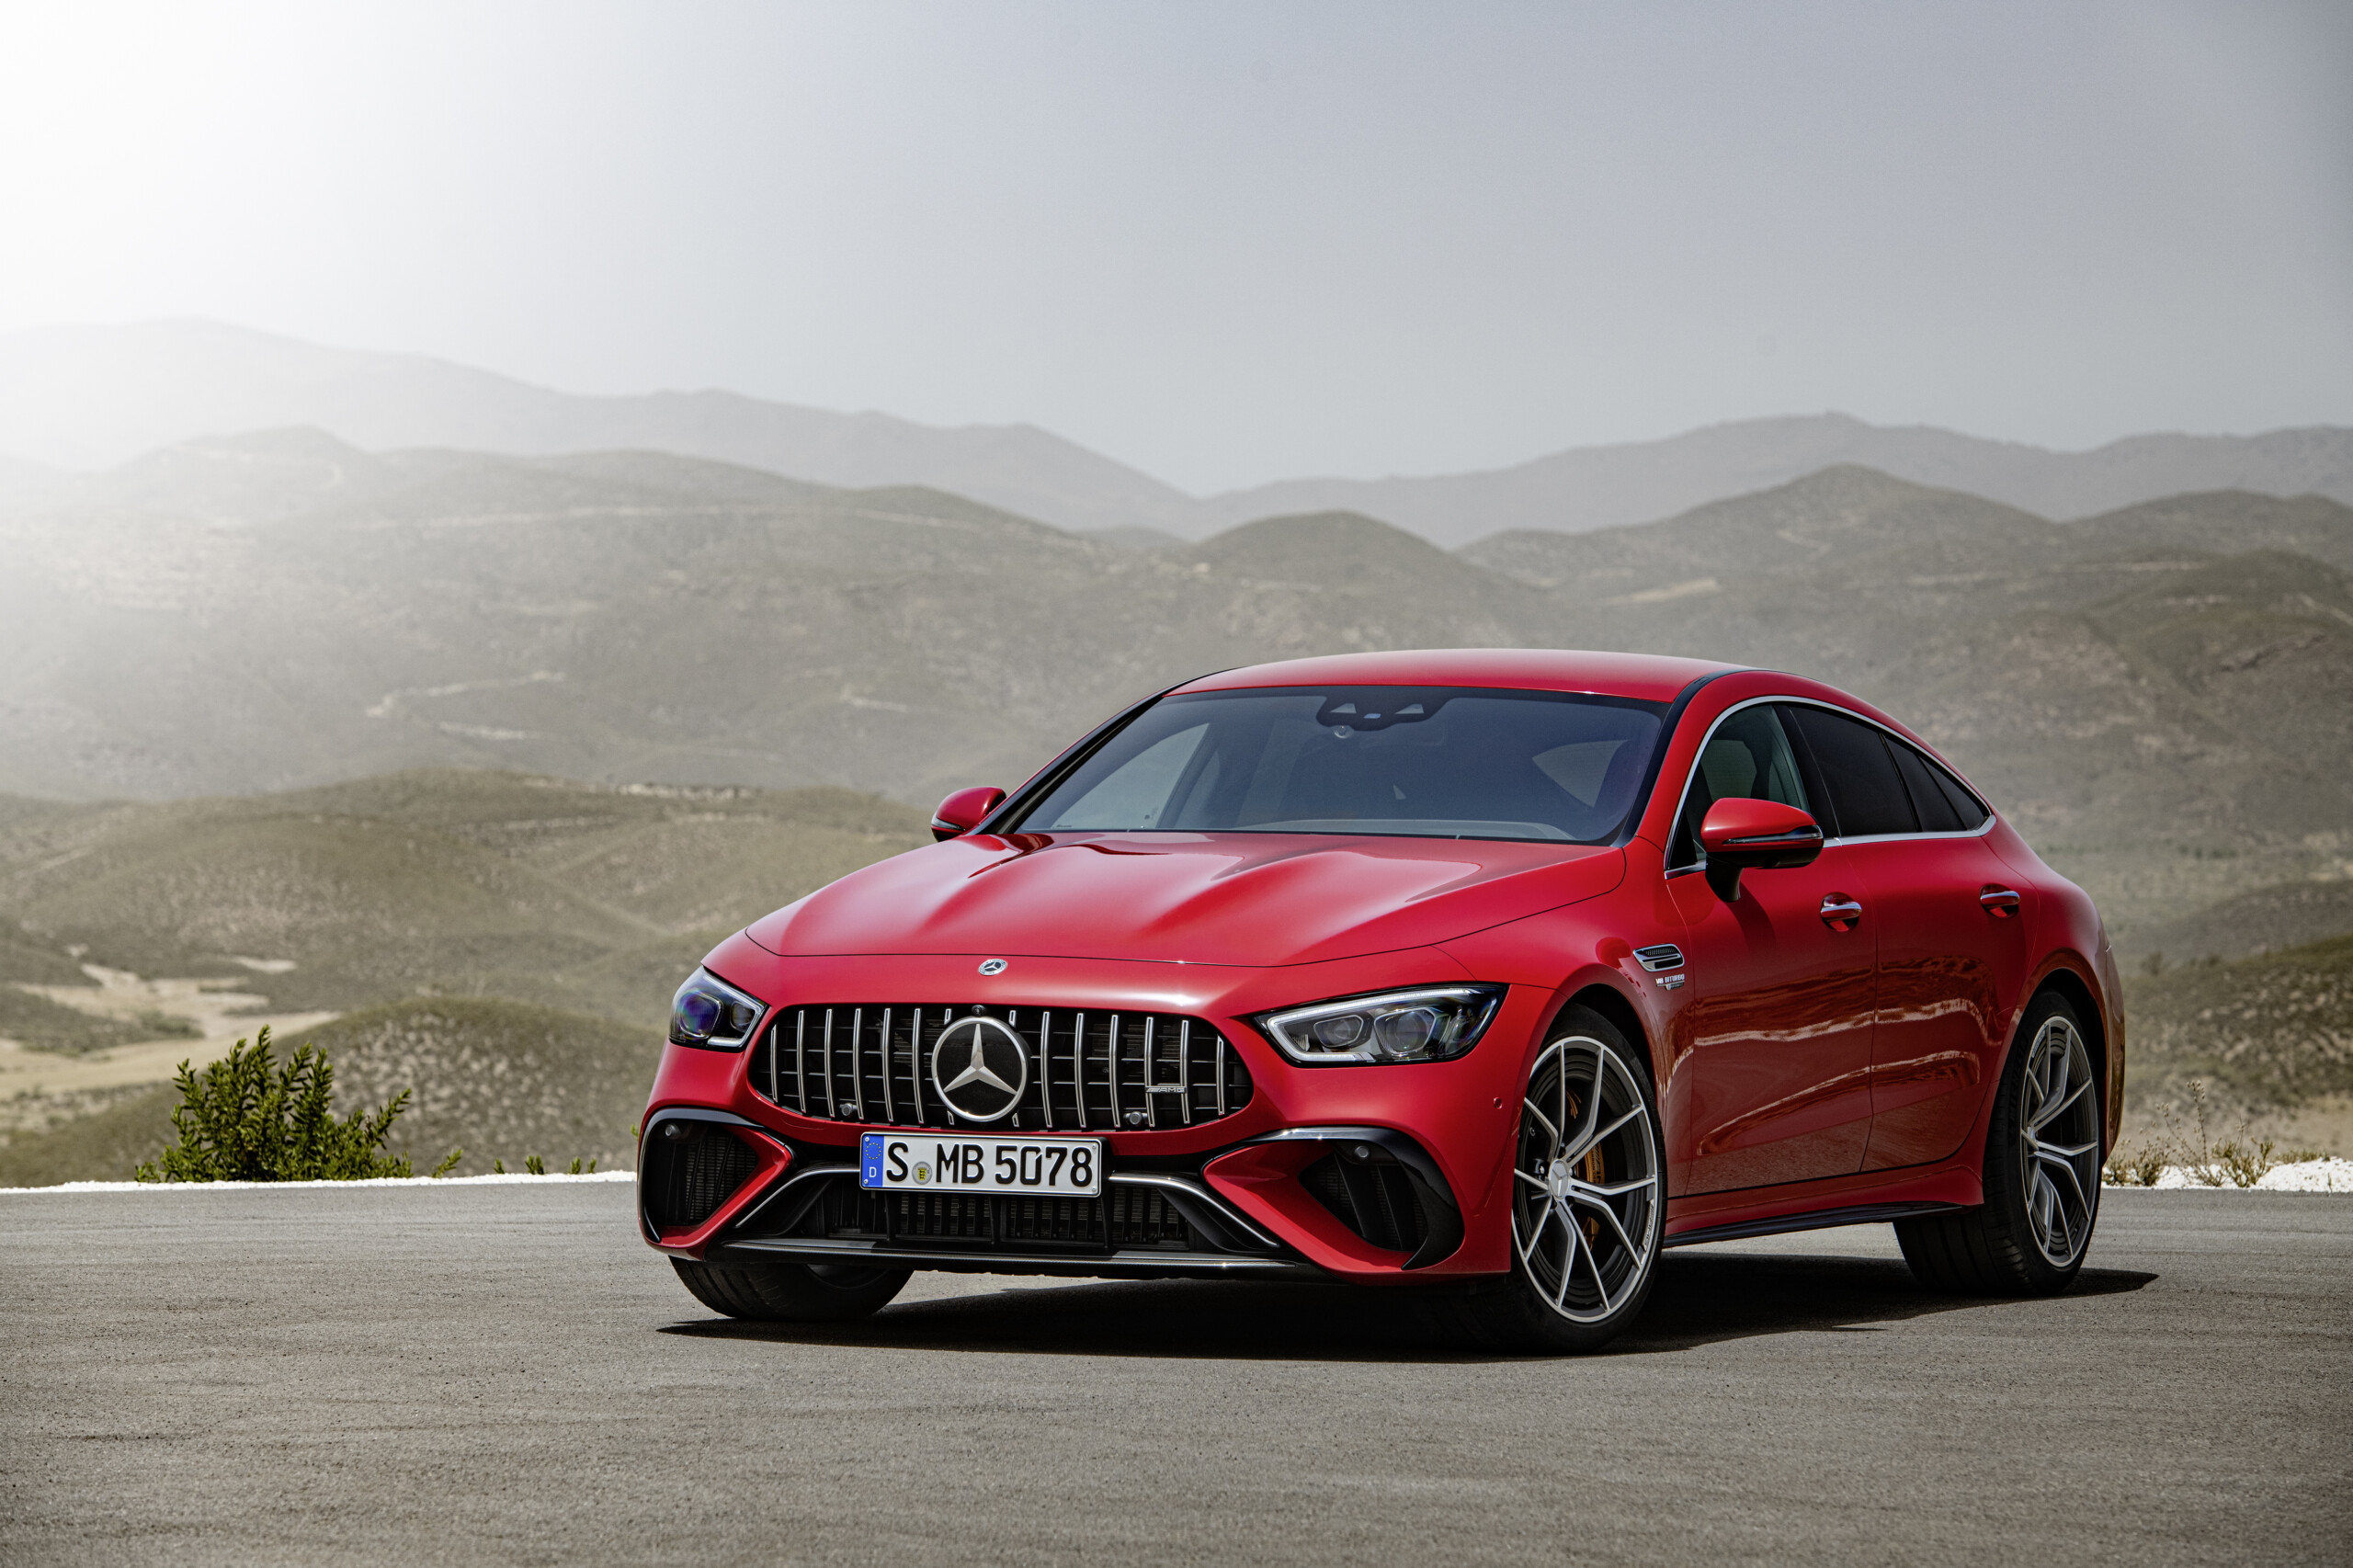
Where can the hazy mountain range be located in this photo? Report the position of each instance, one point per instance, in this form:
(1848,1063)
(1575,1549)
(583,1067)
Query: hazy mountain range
(83,398)
(2160,695)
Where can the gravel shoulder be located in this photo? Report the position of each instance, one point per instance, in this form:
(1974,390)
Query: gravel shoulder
(487,1374)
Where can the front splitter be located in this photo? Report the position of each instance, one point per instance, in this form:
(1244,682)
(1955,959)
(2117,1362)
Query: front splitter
(1127,1264)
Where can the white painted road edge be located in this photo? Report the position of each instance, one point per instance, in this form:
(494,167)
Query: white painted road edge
(2305,1175)
(512,1178)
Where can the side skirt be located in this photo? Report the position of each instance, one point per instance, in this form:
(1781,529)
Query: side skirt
(1819,1220)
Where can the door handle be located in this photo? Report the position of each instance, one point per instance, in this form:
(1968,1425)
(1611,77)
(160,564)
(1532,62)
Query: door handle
(2001,903)
(1840,912)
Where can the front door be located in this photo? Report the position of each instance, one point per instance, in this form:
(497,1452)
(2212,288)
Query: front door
(1771,1081)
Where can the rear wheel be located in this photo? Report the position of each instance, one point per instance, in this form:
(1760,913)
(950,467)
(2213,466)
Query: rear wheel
(782,1290)
(2042,1164)
(1588,1198)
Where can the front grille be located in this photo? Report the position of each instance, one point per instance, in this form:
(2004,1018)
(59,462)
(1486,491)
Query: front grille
(692,1167)
(1122,1218)
(1088,1071)
(1376,1201)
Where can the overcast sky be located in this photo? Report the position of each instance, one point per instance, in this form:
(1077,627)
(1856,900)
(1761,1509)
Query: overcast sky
(1227,242)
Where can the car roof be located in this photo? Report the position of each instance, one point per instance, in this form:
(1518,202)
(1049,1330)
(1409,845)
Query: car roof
(1648,676)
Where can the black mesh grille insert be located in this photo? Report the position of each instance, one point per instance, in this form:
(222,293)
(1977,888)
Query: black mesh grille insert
(1375,1200)
(1088,1071)
(1124,1217)
(692,1167)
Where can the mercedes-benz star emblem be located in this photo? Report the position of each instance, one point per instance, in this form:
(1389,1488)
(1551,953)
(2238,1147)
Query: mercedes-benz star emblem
(980,1068)
(994,966)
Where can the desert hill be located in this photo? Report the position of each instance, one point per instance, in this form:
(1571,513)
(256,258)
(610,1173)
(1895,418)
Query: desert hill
(89,397)
(502,945)
(592,900)
(2270,1034)
(2155,694)
(501,1081)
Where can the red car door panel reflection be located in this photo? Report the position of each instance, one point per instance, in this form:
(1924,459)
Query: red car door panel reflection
(1772,1054)
(1948,964)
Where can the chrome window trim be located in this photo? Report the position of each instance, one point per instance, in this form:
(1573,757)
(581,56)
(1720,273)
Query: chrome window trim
(1683,798)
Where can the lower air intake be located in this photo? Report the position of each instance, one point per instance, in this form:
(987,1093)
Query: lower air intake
(1122,1219)
(688,1169)
(1376,1201)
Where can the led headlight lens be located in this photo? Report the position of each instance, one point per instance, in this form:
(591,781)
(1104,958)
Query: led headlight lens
(1427,1025)
(711,1014)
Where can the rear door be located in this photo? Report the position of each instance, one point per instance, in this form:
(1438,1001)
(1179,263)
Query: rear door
(1951,928)
(1772,1053)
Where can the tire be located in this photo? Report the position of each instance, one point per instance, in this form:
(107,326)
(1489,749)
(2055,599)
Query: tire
(785,1291)
(1588,1206)
(2042,1166)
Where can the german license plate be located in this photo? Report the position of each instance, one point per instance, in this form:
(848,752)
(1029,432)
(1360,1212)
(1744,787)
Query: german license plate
(902,1162)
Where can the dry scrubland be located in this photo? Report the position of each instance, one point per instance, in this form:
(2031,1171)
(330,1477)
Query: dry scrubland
(2161,697)
(503,946)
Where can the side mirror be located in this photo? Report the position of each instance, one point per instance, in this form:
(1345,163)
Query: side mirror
(1755,836)
(964,811)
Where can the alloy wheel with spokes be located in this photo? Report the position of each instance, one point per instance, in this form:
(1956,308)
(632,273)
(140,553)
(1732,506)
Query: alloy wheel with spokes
(2059,1141)
(2043,1148)
(1589,1195)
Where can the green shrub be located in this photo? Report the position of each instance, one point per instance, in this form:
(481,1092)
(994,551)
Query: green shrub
(534,1165)
(247,1118)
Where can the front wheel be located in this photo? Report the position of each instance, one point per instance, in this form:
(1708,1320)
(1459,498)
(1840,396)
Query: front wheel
(2042,1166)
(781,1291)
(1588,1198)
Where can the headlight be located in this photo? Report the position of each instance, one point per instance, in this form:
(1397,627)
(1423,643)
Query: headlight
(1397,1026)
(709,1013)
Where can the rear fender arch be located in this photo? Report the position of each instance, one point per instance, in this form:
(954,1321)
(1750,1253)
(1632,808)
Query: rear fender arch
(2075,977)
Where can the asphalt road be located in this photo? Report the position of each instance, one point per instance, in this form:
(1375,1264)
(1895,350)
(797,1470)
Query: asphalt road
(494,1375)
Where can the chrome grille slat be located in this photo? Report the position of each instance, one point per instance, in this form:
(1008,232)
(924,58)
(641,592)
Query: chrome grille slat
(1045,1058)
(1119,1064)
(830,1101)
(1185,1068)
(858,1091)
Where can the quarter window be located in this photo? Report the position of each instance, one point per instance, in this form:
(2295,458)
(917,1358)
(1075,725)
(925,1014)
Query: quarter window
(1866,791)
(1945,806)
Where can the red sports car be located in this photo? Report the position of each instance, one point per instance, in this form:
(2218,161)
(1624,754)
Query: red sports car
(1489,970)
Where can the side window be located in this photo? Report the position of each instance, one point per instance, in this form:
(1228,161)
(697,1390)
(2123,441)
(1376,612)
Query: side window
(1944,803)
(1866,793)
(1748,757)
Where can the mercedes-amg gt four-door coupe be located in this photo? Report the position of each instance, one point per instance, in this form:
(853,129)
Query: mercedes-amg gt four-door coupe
(1491,971)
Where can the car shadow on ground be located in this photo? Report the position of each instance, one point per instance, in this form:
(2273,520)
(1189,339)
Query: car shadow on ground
(1698,1300)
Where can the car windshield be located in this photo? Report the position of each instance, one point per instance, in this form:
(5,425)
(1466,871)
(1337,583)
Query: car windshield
(1433,762)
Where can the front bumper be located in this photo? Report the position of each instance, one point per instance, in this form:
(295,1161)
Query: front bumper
(1362,1173)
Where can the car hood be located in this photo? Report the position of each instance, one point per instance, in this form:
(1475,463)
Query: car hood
(1245,898)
